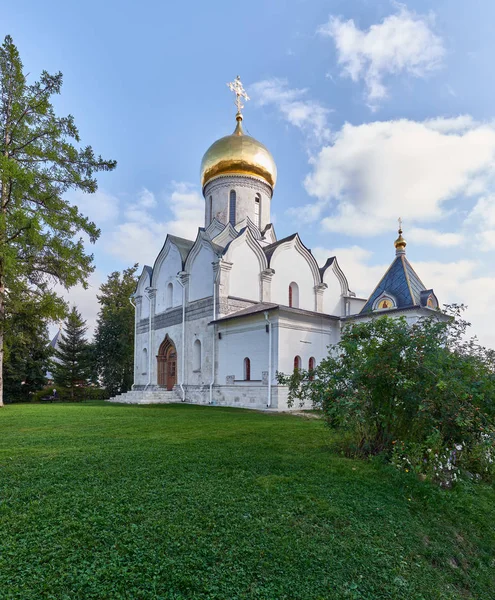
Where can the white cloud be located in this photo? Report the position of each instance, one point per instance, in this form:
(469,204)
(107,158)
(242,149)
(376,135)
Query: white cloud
(433,237)
(146,199)
(100,207)
(84,300)
(301,112)
(354,262)
(140,237)
(373,173)
(401,43)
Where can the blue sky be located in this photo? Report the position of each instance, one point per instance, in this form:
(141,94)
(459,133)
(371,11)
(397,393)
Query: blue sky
(371,109)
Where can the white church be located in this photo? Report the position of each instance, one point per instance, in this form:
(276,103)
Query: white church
(217,317)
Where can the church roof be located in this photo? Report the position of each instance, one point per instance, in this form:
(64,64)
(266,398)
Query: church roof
(401,282)
(182,245)
(54,342)
(270,249)
(269,306)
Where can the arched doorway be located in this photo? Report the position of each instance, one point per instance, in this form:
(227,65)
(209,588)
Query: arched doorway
(167,364)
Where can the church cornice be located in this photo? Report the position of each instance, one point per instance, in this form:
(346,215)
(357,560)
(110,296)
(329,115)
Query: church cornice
(227,181)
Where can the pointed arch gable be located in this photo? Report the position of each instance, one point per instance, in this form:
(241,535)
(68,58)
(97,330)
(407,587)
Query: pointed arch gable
(202,241)
(332,266)
(199,266)
(214,228)
(248,260)
(144,280)
(226,236)
(246,237)
(295,242)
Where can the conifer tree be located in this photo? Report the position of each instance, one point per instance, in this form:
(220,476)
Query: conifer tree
(40,241)
(70,366)
(27,358)
(114,336)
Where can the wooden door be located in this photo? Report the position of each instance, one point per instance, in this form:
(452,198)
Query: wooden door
(162,370)
(171,368)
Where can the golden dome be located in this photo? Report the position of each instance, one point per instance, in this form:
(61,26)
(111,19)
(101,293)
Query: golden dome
(400,243)
(238,154)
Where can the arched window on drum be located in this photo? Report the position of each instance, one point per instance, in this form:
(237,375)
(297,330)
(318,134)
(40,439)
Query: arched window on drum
(232,208)
(257,211)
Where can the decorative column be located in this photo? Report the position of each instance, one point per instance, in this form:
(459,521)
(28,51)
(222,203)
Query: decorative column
(319,289)
(221,280)
(138,307)
(266,284)
(183,279)
(151,293)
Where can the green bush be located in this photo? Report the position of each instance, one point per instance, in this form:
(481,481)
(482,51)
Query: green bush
(420,394)
(64,394)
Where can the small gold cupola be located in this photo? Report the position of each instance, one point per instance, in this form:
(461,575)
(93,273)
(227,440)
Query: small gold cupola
(400,243)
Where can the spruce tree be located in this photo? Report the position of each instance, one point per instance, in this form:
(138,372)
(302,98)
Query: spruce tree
(27,358)
(114,335)
(41,159)
(70,366)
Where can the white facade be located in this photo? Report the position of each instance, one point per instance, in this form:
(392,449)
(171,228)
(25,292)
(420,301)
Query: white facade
(218,317)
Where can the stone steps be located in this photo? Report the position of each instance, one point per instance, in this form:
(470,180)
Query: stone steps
(146,397)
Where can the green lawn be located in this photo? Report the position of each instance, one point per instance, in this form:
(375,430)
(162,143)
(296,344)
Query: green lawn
(108,501)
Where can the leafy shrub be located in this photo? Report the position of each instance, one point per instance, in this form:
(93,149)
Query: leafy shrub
(419,393)
(64,394)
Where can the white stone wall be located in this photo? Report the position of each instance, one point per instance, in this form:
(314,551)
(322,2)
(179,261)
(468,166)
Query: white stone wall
(241,339)
(165,273)
(201,274)
(289,265)
(246,189)
(332,297)
(305,337)
(244,279)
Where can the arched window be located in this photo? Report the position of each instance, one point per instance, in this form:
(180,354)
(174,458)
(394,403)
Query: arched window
(169,300)
(232,203)
(257,211)
(294,295)
(297,363)
(311,368)
(247,369)
(145,361)
(197,355)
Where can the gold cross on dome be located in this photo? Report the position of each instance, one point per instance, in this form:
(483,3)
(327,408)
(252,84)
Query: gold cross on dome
(239,91)
(400,224)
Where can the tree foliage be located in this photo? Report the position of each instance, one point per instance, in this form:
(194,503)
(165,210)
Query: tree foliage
(71,366)
(28,355)
(40,241)
(114,336)
(423,394)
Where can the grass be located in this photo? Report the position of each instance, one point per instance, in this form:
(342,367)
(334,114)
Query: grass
(172,502)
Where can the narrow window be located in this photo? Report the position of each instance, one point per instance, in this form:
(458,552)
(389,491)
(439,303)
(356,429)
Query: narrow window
(197,355)
(247,369)
(294,295)
(210,210)
(297,363)
(145,361)
(257,211)
(170,296)
(311,368)
(232,208)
